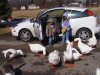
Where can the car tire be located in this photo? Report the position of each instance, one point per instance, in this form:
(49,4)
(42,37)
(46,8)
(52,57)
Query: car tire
(25,35)
(84,34)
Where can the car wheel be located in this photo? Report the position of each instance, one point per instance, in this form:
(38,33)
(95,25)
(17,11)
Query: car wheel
(84,34)
(25,35)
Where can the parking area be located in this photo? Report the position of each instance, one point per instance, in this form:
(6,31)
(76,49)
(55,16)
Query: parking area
(34,65)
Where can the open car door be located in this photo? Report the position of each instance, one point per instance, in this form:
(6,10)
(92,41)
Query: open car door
(38,29)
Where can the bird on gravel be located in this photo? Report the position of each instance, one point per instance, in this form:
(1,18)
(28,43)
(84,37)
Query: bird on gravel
(92,41)
(54,58)
(68,55)
(76,54)
(38,49)
(84,48)
(98,71)
(11,53)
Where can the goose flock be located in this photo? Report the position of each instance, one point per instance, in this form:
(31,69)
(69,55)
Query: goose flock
(70,55)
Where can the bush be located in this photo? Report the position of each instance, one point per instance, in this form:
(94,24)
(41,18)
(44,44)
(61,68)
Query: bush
(5,9)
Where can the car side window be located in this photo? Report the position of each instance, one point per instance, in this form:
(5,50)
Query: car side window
(78,14)
(56,13)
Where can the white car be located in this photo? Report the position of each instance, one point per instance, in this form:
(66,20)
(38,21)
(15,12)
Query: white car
(83,23)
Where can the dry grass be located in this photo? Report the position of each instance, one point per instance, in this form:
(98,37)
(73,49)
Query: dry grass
(25,13)
(33,13)
(96,10)
(5,30)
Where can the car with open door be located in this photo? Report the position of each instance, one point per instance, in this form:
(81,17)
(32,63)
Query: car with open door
(83,22)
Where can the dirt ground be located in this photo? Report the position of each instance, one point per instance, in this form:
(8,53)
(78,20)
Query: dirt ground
(34,65)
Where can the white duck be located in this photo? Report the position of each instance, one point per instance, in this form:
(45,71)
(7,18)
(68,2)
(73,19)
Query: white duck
(20,52)
(76,54)
(12,53)
(37,48)
(68,55)
(85,49)
(92,41)
(97,71)
(54,58)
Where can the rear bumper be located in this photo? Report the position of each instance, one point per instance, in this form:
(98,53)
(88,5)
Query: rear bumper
(97,29)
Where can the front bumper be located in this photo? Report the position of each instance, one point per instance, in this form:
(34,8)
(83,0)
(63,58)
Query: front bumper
(14,32)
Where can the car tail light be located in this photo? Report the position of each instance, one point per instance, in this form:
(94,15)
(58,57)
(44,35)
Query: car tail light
(89,13)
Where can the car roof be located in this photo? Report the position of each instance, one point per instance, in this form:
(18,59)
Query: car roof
(69,8)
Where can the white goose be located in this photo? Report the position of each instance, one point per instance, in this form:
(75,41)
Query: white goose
(97,71)
(68,56)
(76,54)
(12,53)
(54,58)
(20,52)
(37,48)
(92,41)
(85,49)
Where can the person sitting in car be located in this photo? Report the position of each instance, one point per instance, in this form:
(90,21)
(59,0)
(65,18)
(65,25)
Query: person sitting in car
(51,30)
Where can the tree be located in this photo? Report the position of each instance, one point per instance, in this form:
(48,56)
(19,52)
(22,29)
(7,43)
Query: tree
(32,1)
(59,3)
(41,3)
(5,10)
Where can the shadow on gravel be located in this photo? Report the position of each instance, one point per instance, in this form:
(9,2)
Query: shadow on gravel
(37,63)
(2,58)
(39,73)
(18,61)
(1,72)
(18,71)
(19,56)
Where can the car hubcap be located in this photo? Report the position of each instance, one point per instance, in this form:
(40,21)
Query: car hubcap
(25,36)
(84,35)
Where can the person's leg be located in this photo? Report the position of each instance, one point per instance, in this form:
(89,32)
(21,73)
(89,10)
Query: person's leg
(63,39)
(67,35)
(70,35)
(51,41)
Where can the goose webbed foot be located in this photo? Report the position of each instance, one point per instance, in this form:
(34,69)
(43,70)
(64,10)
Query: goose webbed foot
(67,64)
(39,54)
(52,66)
(72,65)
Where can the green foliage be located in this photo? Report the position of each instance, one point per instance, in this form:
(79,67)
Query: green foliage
(5,10)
